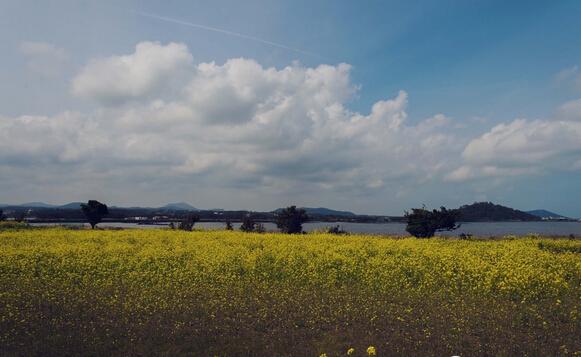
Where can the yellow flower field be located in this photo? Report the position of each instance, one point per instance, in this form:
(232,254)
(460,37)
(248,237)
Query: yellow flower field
(135,292)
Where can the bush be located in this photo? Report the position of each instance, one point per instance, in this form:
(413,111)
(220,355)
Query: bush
(247,224)
(290,220)
(13,225)
(229,226)
(335,230)
(259,228)
(422,223)
(465,236)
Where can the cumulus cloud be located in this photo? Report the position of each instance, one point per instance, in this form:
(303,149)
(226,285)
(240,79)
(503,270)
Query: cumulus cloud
(525,147)
(117,79)
(44,58)
(234,124)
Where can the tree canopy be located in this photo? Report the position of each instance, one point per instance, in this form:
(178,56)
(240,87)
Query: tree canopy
(422,223)
(94,211)
(291,219)
(248,224)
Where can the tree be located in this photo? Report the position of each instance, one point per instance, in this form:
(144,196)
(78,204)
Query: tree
(1,215)
(247,224)
(187,223)
(229,225)
(422,223)
(259,228)
(290,220)
(94,211)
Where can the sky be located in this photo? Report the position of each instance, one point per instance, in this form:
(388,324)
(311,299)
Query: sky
(374,107)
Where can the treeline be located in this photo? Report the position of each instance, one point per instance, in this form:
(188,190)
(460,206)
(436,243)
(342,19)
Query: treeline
(148,215)
(288,220)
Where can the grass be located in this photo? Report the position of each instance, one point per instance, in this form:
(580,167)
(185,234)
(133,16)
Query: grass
(142,292)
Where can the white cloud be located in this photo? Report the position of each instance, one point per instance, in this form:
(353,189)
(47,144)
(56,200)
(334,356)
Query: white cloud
(570,111)
(569,76)
(237,124)
(151,68)
(524,147)
(44,58)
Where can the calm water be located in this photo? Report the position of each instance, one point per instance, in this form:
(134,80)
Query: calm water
(477,229)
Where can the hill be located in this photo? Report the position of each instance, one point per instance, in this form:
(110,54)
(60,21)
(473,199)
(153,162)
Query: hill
(546,214)
(36,205)
(322,211)
(179,206)
(72,205)
(488,211)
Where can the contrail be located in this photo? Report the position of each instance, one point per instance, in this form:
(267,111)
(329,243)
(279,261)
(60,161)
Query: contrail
(226,32)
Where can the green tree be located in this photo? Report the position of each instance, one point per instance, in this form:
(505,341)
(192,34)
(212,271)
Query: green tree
(1,215)
(94,211)
(248,224)
(422,223)
(290,220)
(187,223)
(259,228)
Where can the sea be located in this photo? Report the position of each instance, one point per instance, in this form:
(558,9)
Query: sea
(481,229)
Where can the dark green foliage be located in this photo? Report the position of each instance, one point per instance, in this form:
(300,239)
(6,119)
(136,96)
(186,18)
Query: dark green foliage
(465,236)
(1,215)
(247,224)
(188,222)
(229,226)
(290,220)
(422,223)
(335,230)
(259,228)
(94,211)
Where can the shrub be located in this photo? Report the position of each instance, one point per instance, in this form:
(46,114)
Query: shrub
(336,230)
(465,236)
(229,226)
(13,225)
(259,228)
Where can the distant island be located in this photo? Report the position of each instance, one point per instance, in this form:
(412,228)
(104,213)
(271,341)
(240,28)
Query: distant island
(490,212)
(547,215)
(70,212)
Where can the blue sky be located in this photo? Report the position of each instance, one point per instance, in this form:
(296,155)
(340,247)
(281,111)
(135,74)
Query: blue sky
(490,103)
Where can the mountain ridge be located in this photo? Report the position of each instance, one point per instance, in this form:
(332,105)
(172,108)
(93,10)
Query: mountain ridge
(543,213)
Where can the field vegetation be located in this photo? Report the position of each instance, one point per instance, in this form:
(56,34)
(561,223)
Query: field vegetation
(225,293)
